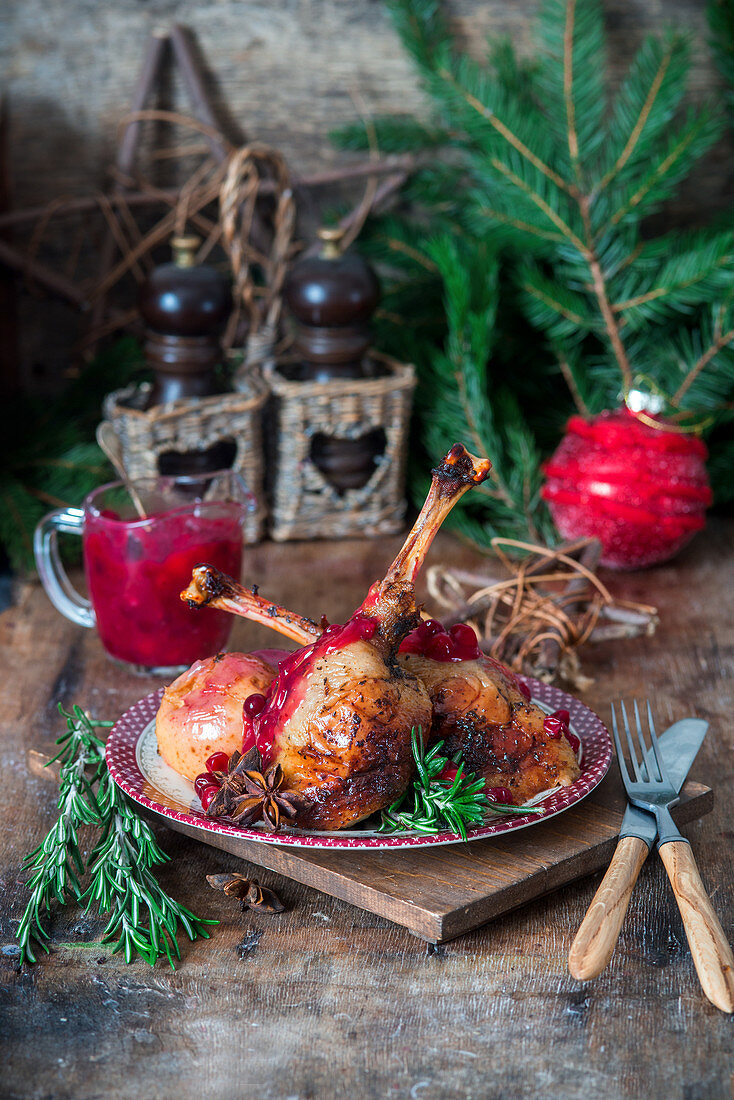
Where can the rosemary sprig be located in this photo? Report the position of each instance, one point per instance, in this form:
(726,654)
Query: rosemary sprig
(432,805)
(145,919)
(56,865)
(122,882)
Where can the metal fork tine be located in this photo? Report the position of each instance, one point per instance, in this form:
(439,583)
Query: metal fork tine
(618,746)
(646,775)
(656,747)
(628,732)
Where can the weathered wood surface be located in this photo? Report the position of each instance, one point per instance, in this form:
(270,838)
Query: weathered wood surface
(444,892)
(326,1000)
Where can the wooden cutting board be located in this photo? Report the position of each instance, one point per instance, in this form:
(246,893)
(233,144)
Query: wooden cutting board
(440,893)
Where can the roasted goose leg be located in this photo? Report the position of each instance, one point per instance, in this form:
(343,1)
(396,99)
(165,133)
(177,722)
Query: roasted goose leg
(479,706)
(482,709)
(339,717)
(211,588)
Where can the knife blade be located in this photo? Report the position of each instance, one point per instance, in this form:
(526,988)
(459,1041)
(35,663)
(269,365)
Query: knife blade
(596,938)
(679,745)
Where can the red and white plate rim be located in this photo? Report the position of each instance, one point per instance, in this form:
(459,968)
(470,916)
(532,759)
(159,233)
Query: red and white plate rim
(124,765)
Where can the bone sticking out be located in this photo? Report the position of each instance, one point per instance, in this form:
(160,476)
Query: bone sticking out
(211,588)
(459,472)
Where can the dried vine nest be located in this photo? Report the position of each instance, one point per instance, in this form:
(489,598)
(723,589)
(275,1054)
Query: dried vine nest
(549,605)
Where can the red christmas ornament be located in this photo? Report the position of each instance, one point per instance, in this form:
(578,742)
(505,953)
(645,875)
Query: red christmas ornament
(642,490)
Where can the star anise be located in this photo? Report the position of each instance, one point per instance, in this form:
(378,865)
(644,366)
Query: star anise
(248,795)
(249,891)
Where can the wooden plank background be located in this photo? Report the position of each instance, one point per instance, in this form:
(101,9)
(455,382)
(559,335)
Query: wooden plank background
(285,70)
(325,1000)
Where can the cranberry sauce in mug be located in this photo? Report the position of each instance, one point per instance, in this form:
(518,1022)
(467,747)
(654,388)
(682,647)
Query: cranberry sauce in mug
(136,570)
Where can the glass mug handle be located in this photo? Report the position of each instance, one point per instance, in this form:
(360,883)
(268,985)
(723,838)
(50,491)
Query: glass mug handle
(59,589)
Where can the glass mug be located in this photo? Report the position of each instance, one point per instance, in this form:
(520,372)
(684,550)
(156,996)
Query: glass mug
(136,566)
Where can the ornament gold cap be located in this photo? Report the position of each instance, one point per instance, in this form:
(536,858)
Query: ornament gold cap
(184,250)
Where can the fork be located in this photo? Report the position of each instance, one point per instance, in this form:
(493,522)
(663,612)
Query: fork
(712,955)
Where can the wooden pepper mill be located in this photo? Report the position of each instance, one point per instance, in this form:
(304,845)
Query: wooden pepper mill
(332,298)
(184,305)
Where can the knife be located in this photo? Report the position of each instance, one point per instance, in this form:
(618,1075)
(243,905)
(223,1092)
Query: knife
(596,938)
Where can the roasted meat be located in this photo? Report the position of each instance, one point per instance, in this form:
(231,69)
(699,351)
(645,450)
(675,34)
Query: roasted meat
(480,709)
(338,719)
(479,706)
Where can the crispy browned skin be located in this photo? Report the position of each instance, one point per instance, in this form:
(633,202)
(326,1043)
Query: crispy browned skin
(346,742)
(340,727)
(478,708)
(343,735)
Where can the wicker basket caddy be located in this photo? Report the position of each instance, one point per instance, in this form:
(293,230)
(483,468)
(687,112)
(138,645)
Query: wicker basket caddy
(304,502)
(194,424)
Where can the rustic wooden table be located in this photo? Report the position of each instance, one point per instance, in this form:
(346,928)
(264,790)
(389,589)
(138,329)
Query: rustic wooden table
(326,1000)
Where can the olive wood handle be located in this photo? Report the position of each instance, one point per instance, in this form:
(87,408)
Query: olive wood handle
(712,955)
(596,938)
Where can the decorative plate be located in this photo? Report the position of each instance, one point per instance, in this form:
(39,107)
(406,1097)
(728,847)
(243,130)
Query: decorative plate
(136,767)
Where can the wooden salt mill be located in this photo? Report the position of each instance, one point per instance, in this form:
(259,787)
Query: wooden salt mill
(184,305)
(332,297)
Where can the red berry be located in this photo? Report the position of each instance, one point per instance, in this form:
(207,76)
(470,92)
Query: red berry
(554,728)
(255,703)
(562,716)
(207,795)
(499,794)
(439,648)
(413,643)
(449,771)
(202,782)
(523,688)
(217,762)
(573,741)
(464,636)
(367,628)
(432,627)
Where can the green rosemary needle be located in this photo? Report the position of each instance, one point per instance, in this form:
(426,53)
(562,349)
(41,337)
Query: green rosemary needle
(432,805)
(56,865)
(143,917)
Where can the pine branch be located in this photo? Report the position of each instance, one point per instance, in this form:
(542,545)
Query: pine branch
(538,168)
(504,131)
(48,456)
(647,101)
(720,15)
(570,378)
(691,269)
(571,78)
(701,363)
(541,203)
(674,162)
